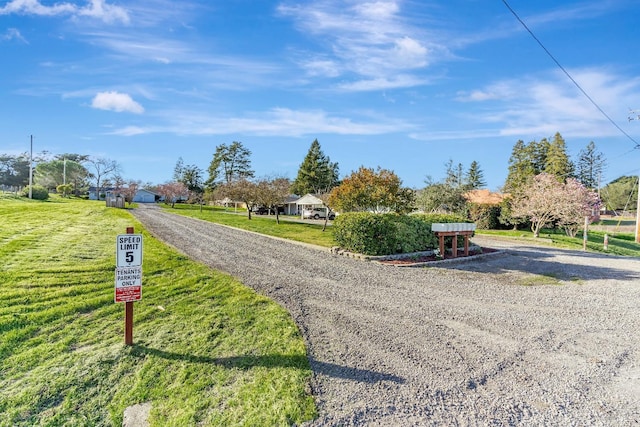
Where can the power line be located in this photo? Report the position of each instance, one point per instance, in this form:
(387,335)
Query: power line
(637,145)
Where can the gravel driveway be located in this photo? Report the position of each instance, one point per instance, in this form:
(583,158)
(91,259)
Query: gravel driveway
(460,344)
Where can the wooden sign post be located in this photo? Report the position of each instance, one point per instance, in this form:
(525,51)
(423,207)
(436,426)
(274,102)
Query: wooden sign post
(128,277)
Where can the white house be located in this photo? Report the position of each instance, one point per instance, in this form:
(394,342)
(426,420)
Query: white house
(308,201)
(104,193)
(145,196)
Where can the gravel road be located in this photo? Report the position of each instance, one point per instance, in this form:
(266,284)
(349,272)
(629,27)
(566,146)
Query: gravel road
(463,344)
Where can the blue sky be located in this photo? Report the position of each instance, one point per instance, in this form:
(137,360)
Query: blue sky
(405,85)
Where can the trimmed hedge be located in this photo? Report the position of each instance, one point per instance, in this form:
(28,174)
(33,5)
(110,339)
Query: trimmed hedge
(385,234)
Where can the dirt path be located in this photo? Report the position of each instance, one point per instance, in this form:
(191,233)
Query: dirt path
(462,344)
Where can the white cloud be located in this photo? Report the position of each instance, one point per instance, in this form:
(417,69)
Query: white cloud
(541,106)
(274,122)
(13,34)
(115,101)
(372,41)
(98,9)
(382,83)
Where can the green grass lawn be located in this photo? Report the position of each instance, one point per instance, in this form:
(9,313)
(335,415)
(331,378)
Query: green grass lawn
(301,232)
(619,243)
(208,350)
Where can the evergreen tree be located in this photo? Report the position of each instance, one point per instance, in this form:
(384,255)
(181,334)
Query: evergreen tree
(317,174)
(539,154)
(178,170)
(475,177)
(557,162)
(231,162)
(521,166)
(590,166)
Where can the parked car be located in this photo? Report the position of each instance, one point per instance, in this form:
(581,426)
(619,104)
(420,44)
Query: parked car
(261,210)
(317,213)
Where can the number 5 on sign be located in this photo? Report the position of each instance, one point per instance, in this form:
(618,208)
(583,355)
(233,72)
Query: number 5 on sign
(129,250)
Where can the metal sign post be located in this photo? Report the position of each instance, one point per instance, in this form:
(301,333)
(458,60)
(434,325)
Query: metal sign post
(128,277)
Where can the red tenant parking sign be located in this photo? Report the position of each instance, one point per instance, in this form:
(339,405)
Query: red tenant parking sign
(128,284)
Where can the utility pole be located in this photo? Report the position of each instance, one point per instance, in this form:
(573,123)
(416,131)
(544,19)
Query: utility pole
(633,115)
(31,170)
(638,214)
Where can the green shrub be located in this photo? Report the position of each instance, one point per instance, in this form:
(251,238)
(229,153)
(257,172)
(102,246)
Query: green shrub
(38,192)
(365,233)
(440,218)
(485,216)
(384,234)
(413,234)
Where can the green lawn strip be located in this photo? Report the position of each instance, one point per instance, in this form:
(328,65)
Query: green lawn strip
(208,350)
(300,232)
(619,243)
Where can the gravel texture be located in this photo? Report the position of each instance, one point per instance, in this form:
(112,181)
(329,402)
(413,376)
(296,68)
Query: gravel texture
(534,336)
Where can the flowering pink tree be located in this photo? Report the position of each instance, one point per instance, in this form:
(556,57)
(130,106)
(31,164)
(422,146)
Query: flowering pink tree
(546,201)
(173,191)
(580,202)
(129,192)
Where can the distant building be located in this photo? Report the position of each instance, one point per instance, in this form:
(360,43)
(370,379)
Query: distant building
(105,192)
(146,196)
(484,197)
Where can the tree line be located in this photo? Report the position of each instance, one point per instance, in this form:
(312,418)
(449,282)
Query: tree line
(66,174)
(230,176)
(544,186)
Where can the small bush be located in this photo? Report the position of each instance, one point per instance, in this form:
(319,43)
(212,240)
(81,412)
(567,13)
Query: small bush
(384,234)
(485,216)
(38,192)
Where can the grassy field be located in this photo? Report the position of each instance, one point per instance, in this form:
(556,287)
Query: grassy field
(300,232)
(208,350)
(619,243)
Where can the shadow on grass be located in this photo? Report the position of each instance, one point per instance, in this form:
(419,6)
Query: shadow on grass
(274,361)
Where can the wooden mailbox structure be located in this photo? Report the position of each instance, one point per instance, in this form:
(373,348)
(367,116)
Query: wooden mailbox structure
(453,229)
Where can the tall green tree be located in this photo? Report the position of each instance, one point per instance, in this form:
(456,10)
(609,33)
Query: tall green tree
(230,163)
(441,197)
(53,173)
(178,170)
(539,154)
(193,178)
(522,166)
(621,193)
(14,170)
(317,173)
(557,162)
(590,165)
(474,178)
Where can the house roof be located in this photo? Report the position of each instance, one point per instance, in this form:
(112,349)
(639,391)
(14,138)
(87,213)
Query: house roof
(147,191)
(484,197)
(309,199)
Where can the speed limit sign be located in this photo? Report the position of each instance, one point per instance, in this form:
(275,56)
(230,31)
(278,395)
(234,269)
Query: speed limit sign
(129,250)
